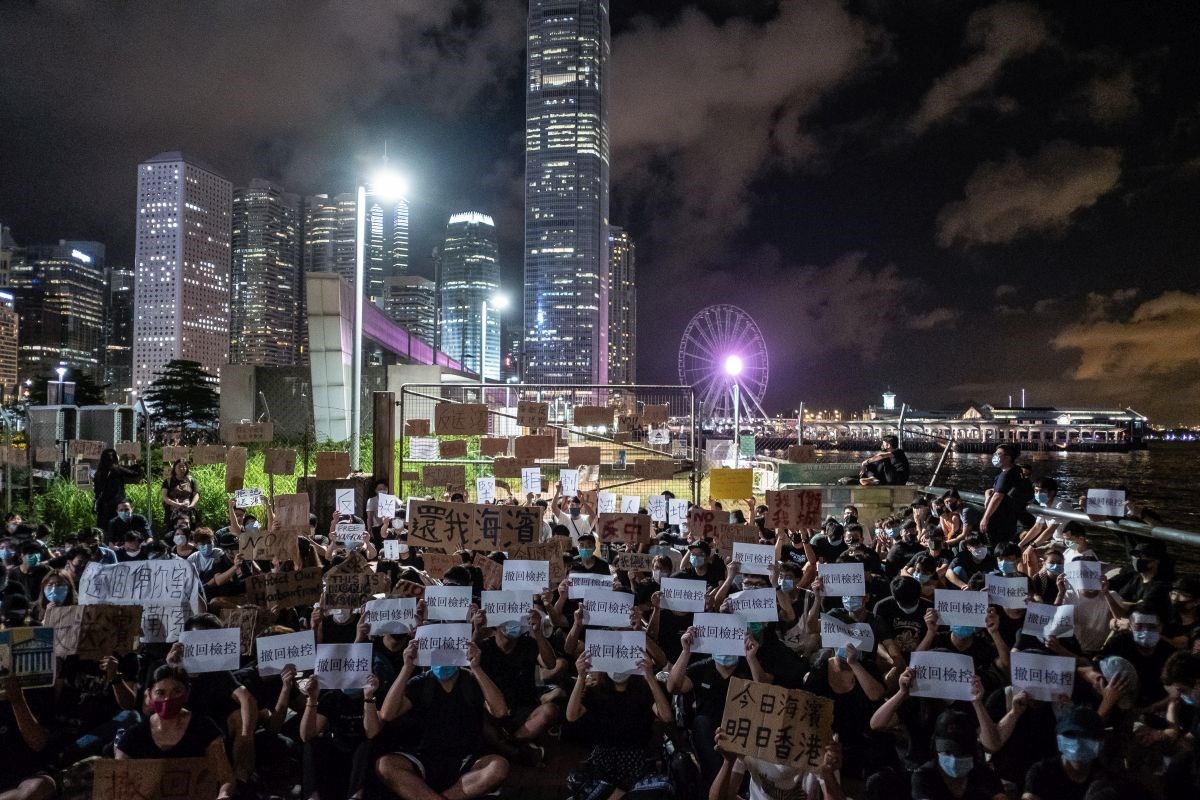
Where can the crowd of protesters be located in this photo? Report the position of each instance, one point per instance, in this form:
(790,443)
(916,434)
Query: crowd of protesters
(530,692)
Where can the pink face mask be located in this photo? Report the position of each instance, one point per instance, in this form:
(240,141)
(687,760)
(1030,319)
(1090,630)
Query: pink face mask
(169,708)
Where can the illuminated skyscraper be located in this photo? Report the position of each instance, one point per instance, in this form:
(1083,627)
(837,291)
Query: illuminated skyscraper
(9,338)
(181,262)
(622,307)
(566,192)
(468,276)
(265,276)
(329,231)
(118,334)
(412,304)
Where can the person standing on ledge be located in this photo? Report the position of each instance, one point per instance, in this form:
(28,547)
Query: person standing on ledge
(888,467)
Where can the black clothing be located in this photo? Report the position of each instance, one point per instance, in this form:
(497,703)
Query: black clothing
(908,629)
(200,733)
(117,529)
(1002,527)
(109,487)
(514,673)
(1048,781)
(1148,666)
(928,784)
(451,722)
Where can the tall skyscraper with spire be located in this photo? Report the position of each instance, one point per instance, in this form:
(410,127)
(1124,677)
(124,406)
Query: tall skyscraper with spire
(468,276)
(566,192)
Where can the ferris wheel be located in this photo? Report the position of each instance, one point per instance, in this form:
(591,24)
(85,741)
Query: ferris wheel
(722,345)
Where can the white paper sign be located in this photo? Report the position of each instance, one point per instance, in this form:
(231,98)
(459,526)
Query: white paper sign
(659,436)
(578,583)
(531,480)
(211,651)
(168,582)
(276,652)
(947,676)
(683,594)
(391,615)
(719,634)
(656,504)
(163,623)
(443,645)
(960,608)
(755,605)
(837,633)
(506,606)
(606,503)
(604,608)
(387,506)
(343,666)
(615,652)
(349,534)
(1084,576)
(1043,621)
(569,478)
(756,559)
(343,501)
(1106,502)
(631,504)
(1007,592)
(391,549)
(1042,677)
(423,448)
(485,489)
(448,603)
(842,580)
(530,577)
(677,511)
(247,498)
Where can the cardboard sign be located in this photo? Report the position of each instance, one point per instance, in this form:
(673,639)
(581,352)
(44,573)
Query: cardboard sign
(531,480)
(783,726)
(95,631)
(580,583)
(525,576)
(243,432)
(332,465)
(448,475)
(1007,592)
(615,652)
(343,666)
(960,608)
(128,449)
(677,512)
(140,583)
(1042,677)
(248,498)
(235,468)
(1105,502)
(453,448)
(407,588)
(291,511)
(492,571)
(280,461)
(590,416)
(1043,621)
(416,427)
(82,475)
(436,564)
(349,534)
(460,419)
(669,552)
(655,414)
(211,651)
(533,447)
(301,587)
(683,594)
(794,509)
(159,778)
(503,527)
(731,484)
(837,633)
(443,644)
(656,504)
(245,619)
(445,527)
(423,449)
(843,579)
(630,504)
(946,676)
(633,562)
(172,453)
(606,503)
(493,446)
(719,634)
(28,655)
(701,522)
(583,456)
(276,652)
(396,615)
(632,529)
(756,559)
(605,608)
(352,583)
(755,605)
(801,454)
(532,415)
(205,454)
(725,536)
(85,449)
(549,552)
(510,467)
(485,489)
(343,501)
(266,545)
(655,470)
(447,603)
(1084,576)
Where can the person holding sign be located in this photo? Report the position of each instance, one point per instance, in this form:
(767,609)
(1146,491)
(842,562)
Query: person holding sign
(588,561)
(958,772)
(840,676)
(768,779)
(1095,609)
(27,752)
(173,731)
(337,729)
(620,711)
(572,513)
(990,656)
(512,658)
(447,705)
(1069,775)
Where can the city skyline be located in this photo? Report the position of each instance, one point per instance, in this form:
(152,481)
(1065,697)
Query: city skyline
(964,202)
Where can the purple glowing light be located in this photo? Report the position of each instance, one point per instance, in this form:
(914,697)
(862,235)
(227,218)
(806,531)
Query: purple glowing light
(733,365)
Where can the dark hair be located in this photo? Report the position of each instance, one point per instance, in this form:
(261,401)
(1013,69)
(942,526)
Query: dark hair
(1181,667)
(459,574)
(1007,549)
(906,590)
(203,622)
(29,547)
(894,441)
(1011,449)
(169,673)
(1049,484)
(1075,529)
(589,536)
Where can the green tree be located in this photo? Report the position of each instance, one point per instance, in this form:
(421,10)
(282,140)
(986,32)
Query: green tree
(87,391)
(184,398)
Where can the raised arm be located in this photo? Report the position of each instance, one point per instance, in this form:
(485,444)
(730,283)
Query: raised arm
(492,695)
(397,704)
(575,707)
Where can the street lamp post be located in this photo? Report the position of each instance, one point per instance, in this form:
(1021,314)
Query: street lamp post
(733,368)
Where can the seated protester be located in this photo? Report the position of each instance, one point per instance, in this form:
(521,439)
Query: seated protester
(1070,774)
(15,607)
(91,538)
(240,519)
(769,779)
(588,561)
(334,625)
(220,574)
(855,611)
(58,589)
(773,661)
(1043,585)
(78,558)
(447,705)
(29,571)
(1045,529)
(701,566)
(989,653)
(924,570)
(959,771)
(217,695)
(888,467)
(617,713)
(1143,646)
(375,523)
(131,549)
(1095,610)
(337,729)
(1181,676)
(181,542)
(902,551)
(831,542)
(1184,618)
(28,752)
(124,522)
(904,613)
(1008,556)
(511,656)
(1076,540)
(857,548)
(173,731)
(1147,587)
(973,556)
(937,550)
(841,676)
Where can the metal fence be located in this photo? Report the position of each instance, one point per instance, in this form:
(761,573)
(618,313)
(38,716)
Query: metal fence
(627,450)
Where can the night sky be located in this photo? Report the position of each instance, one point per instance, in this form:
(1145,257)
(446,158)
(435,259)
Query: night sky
(954,199)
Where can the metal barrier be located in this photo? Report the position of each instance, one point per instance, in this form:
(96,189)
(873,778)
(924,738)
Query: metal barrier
(1128,526)
(620,450)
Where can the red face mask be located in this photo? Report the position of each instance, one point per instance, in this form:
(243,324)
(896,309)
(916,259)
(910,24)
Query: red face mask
(169,708)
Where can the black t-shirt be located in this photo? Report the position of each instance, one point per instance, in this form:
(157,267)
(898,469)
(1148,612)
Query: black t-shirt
(1032,738)
(599,566)
(908,629)
(1048,781)
(709,686)
(929,784)
(619,718)
(981,649)
(1002,526)
(1147,665)
(30,581)
(451,722)
(201,731)
(964,565)
(17,760)
(514,673)
(344,715)
(1155,593)
(900,554)
(851,711)
(826,549)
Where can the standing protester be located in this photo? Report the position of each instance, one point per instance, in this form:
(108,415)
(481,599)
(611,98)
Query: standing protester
(108,485)
(179,494)
(999,523)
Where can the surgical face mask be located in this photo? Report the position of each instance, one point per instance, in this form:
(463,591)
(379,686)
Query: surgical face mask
(11,527)
(55,594)
(852,603)
(402,548)
(962,631)
(979,553)
(1141,565)
(696,561)
(909,609)
(840,654)
(1008,567)
(995,459)
(1071,544)
(180,539)
(512,629)
(656,575)
(5,553)
(125,515)
(956,766)
(205,550)
(879,531)
(893,533)
(922,578)
(1146,638)
(585,553)
(786,584)
(1041,498)
(444,673)
(755,628)
(1079,750)
(340,615)
(32,560)
(1054,569)
(726,660)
